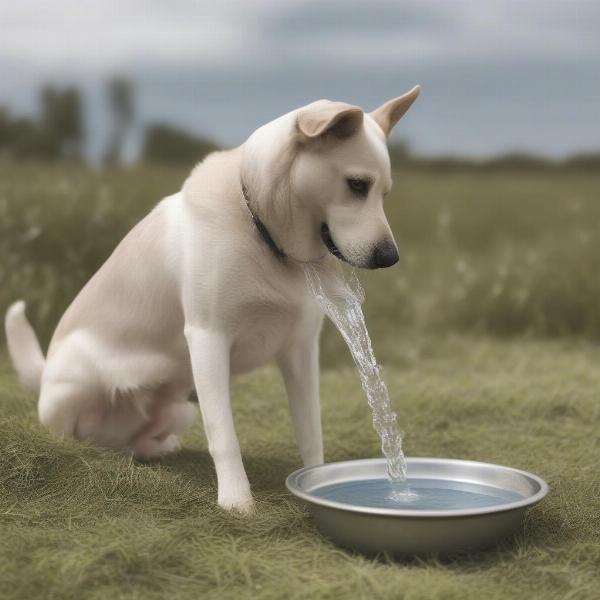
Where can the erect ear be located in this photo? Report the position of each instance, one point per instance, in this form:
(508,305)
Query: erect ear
(339,118)
(388,114)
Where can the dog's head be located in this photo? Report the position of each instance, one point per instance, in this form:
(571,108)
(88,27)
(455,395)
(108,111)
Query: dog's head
(317,178)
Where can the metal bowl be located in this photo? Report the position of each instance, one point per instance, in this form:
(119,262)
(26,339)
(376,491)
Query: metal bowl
(413,531)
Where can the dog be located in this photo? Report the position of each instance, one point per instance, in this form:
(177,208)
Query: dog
(210,284)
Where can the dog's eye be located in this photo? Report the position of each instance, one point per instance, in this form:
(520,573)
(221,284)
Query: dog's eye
(358,186)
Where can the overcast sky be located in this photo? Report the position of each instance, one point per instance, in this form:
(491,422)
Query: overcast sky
(497,75)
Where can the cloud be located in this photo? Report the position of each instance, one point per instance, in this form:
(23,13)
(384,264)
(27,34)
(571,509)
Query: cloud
(435,32)
(497,74)
(351,18)
(98,36)
(104,35)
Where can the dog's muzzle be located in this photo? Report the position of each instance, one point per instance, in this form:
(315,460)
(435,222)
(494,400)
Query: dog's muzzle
(329,243)
(385,253)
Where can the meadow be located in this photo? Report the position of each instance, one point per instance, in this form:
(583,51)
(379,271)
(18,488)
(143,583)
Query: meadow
(488,333)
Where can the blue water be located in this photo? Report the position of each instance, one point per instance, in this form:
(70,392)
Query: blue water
(422,494)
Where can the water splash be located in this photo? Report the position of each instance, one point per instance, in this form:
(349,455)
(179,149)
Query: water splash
(340,299)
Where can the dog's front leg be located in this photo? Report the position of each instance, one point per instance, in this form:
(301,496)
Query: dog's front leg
(209,353)
(299,364)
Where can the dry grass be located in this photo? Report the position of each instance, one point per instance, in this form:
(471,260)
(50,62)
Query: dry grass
(78,522)
(501,254)
(507,253)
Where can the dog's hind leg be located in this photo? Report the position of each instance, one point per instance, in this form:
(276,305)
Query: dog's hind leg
(60,405)
(87,412)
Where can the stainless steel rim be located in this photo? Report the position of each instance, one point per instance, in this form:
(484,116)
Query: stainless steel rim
(293,484)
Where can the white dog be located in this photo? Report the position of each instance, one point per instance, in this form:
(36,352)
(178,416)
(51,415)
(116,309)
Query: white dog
(210,284)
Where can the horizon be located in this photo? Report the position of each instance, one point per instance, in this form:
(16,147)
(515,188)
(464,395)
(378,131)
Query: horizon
(497,78)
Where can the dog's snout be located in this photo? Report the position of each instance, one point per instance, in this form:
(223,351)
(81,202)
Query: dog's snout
(386,254)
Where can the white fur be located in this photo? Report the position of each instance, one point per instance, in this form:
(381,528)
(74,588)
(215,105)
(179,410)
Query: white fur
(193,295)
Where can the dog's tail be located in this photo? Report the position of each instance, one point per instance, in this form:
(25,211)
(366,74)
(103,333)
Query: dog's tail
(23,346)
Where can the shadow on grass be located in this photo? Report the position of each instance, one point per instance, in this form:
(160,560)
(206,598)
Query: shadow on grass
(266,473)
(506,550)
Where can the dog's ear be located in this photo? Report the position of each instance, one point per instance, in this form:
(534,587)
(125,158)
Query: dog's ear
(388,114)
(324,116)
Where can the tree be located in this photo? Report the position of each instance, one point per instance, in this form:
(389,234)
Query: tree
(61,123)
(164,143)
(121,104)
(5,132)
(28,141)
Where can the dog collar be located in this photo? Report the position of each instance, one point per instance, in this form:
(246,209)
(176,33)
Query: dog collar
(261,228)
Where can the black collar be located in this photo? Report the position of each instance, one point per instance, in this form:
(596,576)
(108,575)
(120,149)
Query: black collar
(261,228)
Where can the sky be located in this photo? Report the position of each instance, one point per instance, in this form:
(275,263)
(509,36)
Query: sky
(497,75)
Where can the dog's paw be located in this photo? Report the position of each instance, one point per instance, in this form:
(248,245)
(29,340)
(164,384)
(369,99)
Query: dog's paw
(171,444)
(240,501)
(151,448)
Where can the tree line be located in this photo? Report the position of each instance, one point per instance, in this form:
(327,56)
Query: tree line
(58,131)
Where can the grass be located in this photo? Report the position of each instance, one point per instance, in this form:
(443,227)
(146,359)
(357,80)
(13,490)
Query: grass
(488,336)
(507,253)
(78,522)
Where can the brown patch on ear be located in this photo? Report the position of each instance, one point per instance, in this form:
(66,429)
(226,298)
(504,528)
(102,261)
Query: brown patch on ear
(388,114)
(338,118)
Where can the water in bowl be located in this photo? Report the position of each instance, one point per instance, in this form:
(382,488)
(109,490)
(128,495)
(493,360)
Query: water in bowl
(428,494)
(340,298)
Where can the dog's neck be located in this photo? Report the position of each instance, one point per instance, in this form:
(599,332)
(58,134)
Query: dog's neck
(261,227)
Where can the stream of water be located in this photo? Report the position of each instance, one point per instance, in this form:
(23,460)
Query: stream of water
(341,298)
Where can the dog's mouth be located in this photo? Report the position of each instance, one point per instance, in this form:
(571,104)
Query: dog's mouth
(329,243)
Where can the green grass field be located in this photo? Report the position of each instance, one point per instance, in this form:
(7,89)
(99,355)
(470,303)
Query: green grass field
(488,333)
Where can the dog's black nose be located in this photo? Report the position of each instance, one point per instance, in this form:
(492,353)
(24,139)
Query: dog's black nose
(386,255)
